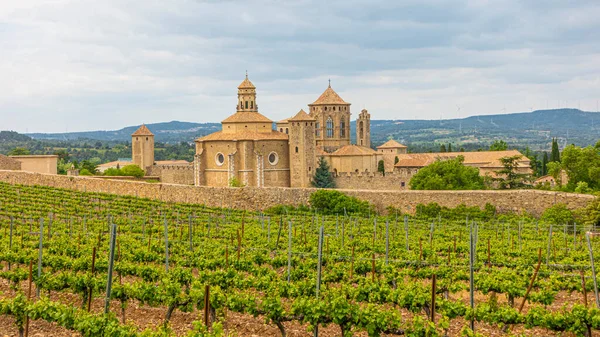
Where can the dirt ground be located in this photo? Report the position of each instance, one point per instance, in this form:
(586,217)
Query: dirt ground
(235,324)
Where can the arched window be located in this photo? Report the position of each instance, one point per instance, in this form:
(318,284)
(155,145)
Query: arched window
(318,129)
(246,104)
(287,131)
(342,129)
(360,130)
(329,128)
(251,104)
(296,149)
(280,129)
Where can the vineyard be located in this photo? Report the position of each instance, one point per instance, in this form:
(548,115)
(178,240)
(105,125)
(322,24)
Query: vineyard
(105,265)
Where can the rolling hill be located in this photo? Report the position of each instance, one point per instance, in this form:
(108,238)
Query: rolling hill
(534,129)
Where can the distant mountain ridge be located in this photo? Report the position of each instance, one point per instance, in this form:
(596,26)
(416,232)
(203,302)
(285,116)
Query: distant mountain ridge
(528,128)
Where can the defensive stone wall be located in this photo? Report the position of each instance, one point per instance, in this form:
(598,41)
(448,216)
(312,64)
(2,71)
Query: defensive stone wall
(251,198)
(7,163)
(396,180)
(182,174)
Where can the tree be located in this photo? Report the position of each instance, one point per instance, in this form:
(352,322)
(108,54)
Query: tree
(555,154)
(508,177)
(447,175)
(381,167)
(322,177)
(544,164)
(449,147)
(581,165)
(132,171)
(499,145)
(442,148)
(396,160)
(19,151)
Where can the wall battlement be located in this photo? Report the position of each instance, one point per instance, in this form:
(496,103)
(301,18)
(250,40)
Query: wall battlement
(253,198)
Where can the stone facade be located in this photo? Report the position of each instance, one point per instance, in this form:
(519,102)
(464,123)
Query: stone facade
(302,149)
(363,129)
(7,163)
(396,181)
(182,174)
(332,115)
(250,198)
(38,163)
(142,148)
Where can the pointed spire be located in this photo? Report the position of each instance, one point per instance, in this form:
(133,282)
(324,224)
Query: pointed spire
(246,74)
(330,83)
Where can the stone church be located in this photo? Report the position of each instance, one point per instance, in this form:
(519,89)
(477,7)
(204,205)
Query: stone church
(247,151)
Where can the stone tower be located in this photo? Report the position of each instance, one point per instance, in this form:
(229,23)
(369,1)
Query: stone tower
(302,149)
(363,129)
(332,115)
(142,148)
(247,96)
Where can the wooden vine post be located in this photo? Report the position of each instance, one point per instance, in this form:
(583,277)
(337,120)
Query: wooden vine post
(433,285)
(207,306)
(111,263)
(537,268)
(89,303)
(29,281)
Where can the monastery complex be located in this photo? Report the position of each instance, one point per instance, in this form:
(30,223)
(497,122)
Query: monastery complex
(248,151)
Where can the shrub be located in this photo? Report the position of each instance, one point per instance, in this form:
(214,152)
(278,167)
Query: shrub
(558,214)
(234,182)
(132,171)
(334,202)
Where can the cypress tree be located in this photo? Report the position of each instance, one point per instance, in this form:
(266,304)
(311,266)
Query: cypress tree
(442,148)
(544,162)
(449,147)
(555,155)
(323,178)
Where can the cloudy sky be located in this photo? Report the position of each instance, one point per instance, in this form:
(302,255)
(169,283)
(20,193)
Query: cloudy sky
(74,65)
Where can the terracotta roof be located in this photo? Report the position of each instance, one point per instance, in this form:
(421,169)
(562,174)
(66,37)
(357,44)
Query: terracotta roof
(391,144)
(244,135)
(246,84)
(283,121)
(353,150)
(320,152)
(143,131)
(329,97)
(490,159)
(246,116)
(302,116)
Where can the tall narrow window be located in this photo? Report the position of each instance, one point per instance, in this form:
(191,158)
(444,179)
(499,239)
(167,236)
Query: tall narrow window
(342,129)
(251,104)
(318,129)
(246,104)
(360,131)
(329,128)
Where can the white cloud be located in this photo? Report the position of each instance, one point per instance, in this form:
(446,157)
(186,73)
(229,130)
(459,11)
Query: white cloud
(82,64)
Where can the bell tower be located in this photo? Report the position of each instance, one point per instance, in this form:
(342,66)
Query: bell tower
(247,96)
(363,129)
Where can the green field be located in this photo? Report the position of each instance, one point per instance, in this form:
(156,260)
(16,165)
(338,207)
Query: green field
(376,271)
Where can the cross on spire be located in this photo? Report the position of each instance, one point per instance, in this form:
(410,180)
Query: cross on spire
(330,82)
(246,74)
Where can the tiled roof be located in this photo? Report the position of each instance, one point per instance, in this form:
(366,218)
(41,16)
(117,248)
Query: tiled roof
(246,84)
(244,135)
(353,150)
(246,116)
(489,159)
(302,116)
(329,97)
(143,131)
(391,144)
